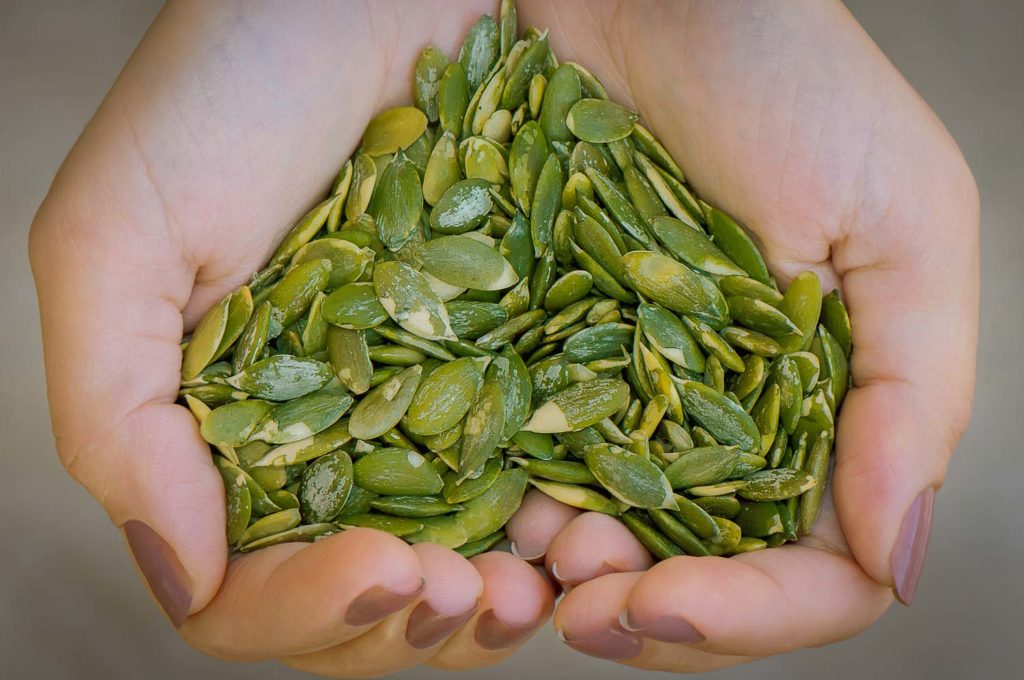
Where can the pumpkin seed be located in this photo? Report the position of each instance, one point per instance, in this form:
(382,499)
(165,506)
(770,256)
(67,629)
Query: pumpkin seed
(465,262)
(393,130)
(511,258)
(385,405)
(397,472)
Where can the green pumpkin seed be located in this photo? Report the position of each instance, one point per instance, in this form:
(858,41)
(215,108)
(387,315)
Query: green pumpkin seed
(206,339)
(408,299)
(737,245)
(350,358)
(579,406)
(302,232)
(571,287)
(751,341)
(695,518)
(393,130)
(444,396)
(462,207)
(480,50)
(776,485)
(383,407)
(485,422)
(325,487)
(693,247)
(632,479)
(456,491)
(396,526)
(565,471)
(802,304)
(282,377)
(678,533)
(397,472)
(837,320)
(526,158)
(652,148)
(529,64)
(453,98)
(492,509)
(600,121)
(702,466)
(760,519)
(747,287)
(547,201)
(656,542)
(723,418)
(676,287)
(619,206)
(669,337)
(269,525)
(397,202)
(303,417)
(464,262)
(426,79)
(728,539)
(598,342)
(766,416)
(413,506)
(306,449)
(817,469)
(482,545)
(577,496)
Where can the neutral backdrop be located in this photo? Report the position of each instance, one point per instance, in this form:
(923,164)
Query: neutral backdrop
(71,605)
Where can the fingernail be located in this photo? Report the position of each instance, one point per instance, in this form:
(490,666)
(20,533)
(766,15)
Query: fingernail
(427,627)
(613,643)
(664,629)
(493,633)
(376,603)
(529,555)
(603,570)
(167,579)
(911,545)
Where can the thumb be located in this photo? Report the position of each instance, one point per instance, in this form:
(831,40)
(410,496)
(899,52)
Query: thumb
(912,289)
(111,334)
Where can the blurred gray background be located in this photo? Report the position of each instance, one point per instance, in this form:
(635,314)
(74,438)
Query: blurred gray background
(71,605)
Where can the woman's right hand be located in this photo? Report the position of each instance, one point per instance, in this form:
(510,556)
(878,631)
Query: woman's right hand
(227,123)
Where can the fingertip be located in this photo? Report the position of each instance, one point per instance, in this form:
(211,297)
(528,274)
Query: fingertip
(592,545)
(539,520)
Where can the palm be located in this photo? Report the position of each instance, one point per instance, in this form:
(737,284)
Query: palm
(788,118)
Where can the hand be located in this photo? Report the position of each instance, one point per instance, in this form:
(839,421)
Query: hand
(227,124)
(788,117)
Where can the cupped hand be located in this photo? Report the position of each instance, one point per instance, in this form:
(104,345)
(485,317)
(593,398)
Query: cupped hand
(227,123)
(787,116)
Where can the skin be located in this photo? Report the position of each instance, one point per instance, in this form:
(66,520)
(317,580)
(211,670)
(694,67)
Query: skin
(231,119)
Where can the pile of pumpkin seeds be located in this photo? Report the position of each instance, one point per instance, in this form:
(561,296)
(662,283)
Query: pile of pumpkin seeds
(511,284)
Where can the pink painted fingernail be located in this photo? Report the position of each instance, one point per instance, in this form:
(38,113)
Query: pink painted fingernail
(426,627)
(376,603)
(167,579)
(493,633)
(613,643)
(912,545)
(669,628)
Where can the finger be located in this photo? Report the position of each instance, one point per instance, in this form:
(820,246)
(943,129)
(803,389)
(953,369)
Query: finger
(410,636)
(588,620)
(299,598)
(755,604)
(536,524)
(111,346)
(517,600)
(594,544)
(913,373)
